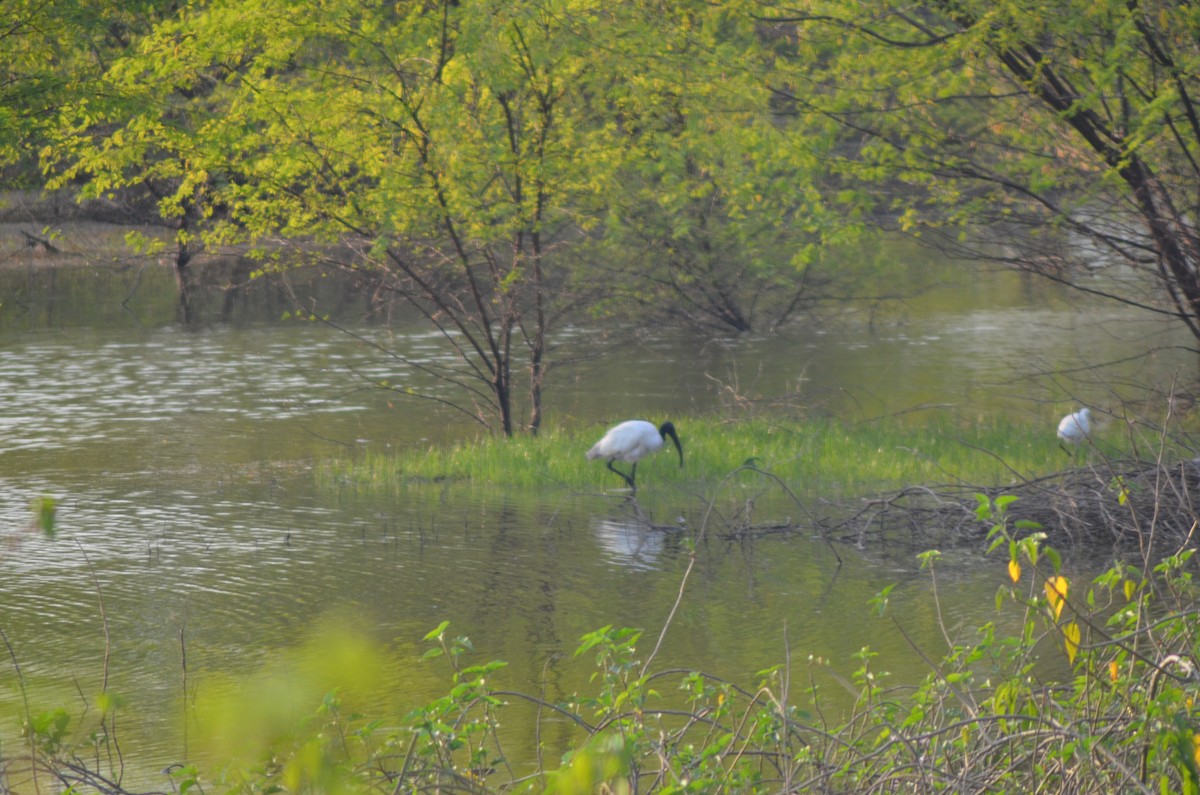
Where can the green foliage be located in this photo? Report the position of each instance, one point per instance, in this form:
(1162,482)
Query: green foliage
(720,216)
(991,127)
(1126,722)
(45,511)
(52,55)
(186,778)
(983,704)
(496,165)
(48,730)
(993,713)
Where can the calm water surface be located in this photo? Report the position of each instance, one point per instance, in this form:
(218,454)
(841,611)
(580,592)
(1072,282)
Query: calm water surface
(183,458)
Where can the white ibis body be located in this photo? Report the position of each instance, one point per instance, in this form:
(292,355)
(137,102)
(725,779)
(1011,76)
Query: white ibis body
(1075,428)
(631,441)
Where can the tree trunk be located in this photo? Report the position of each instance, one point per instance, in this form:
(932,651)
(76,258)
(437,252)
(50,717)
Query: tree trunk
(183,283)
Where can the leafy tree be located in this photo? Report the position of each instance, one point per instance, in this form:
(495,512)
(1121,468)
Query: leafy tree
(137,137)
(460,151)
(981,124)
(410,135)
(720,217)
(441,142)
(720,229)
(51,53)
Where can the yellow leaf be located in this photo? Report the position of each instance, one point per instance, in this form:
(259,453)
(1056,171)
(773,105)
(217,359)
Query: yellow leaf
(1014,570)
(1130,588)
(1056,594)
(1071,638)
(1113,670)
(1196,748)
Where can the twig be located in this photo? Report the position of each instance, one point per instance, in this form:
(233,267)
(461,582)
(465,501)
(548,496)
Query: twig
(28,715)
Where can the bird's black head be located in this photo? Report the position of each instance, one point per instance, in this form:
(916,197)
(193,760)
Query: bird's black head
(668,429)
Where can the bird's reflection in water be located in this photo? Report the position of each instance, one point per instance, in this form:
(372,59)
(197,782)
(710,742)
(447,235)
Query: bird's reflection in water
(629,543)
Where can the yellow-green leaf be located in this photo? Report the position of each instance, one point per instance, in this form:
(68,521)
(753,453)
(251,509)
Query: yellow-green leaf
(1056,594)
(46,511)
(1071,639)
(1014,570)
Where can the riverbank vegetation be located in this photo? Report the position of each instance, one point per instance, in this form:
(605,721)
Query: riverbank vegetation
(1092,690)
(780,465)
(826,455)
(1081,683)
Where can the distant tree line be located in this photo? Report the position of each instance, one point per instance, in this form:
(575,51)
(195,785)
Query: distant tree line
(506,167)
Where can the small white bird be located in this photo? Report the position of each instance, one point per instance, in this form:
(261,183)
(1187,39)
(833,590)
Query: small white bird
(632,441)
(1075,428)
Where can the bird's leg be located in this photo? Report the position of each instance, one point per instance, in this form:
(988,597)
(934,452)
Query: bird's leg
(633,479)
(624,477)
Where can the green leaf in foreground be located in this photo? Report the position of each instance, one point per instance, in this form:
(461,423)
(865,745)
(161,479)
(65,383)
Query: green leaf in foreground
(45,510)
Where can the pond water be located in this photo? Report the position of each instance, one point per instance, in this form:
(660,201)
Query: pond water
(190,522)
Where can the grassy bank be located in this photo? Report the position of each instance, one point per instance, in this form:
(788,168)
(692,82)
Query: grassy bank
(826,454)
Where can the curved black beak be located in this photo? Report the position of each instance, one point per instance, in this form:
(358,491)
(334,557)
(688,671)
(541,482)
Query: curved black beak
(668,429)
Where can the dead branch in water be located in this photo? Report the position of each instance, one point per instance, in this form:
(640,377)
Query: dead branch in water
(1150,506)
(1137,504)
(40,245)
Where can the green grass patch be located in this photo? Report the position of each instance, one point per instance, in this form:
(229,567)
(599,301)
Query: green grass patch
(825,454)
